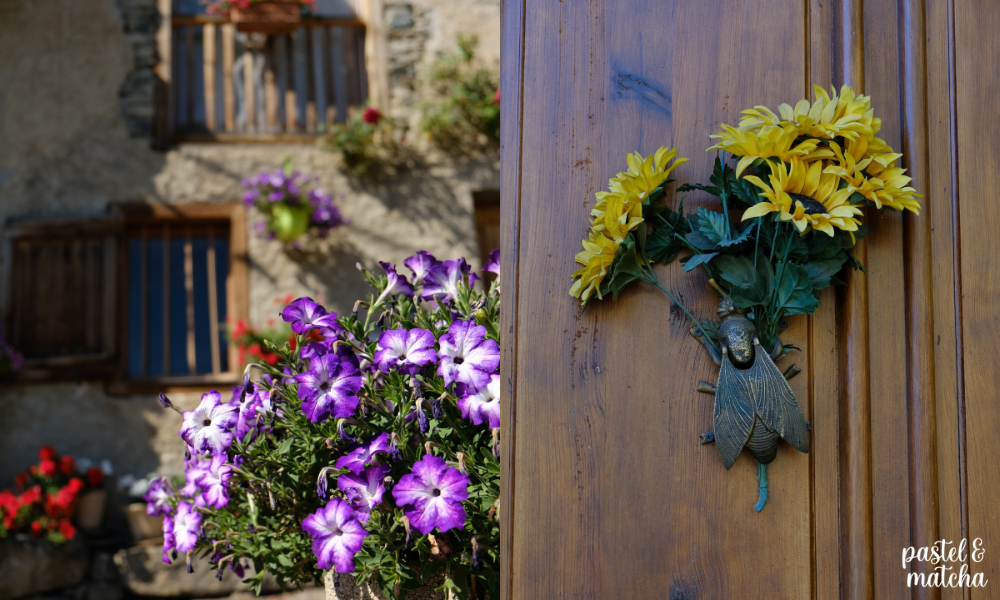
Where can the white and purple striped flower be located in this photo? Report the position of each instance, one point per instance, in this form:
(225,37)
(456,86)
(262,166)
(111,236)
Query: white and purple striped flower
(359,457)
(209,428)
(432,495)
(484,405)
(169,542)
(214,483)
(364,491)
(330,387)
(493,262)
(186,526)
(420,264)
(395,283)
(337,535)
(304,314)
(405,351)
(157,498)
(466,356)
(444,280)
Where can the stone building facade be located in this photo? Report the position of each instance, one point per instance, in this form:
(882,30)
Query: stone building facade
(77,111)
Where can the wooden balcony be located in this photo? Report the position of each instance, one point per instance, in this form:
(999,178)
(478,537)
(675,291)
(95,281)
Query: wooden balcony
(230,86)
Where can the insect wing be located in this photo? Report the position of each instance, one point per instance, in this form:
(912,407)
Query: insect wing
(775,402)
(733,413)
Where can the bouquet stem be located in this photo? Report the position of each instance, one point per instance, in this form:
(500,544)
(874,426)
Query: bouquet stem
(762,486)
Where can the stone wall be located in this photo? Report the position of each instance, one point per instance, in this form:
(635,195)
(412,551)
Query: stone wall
(75,114)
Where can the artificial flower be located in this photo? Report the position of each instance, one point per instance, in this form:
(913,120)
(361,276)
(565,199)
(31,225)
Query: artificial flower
(329,387)
(365,490)
(405,351)
(483,406)
(209,428)
(777,142)
(432,495)
(337,535)
(619,210)
(876,177)
(830,116)
(466,356)
(598,253)
(807,197)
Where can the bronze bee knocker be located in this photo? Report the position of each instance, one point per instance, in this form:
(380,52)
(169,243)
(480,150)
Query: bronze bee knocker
(754,405)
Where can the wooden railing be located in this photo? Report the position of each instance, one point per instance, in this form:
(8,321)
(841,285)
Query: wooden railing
(227,83)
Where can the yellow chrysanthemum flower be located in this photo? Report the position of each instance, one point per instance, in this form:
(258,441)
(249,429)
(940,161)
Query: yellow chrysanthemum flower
(619,210)
(807,197)
(598,253)
(847,115)
(768,142)
(877,177)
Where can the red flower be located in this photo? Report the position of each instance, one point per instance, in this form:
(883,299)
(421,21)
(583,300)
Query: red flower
(371,116)
(36,528)
(21,480)
(47,453)
(67,465)
(75,484)
(254,350)
(271,359)
(496,98)
(66,529)
(95,476)
(240,329)
(47,467)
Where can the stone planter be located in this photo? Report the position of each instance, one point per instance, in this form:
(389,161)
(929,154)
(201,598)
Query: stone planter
(30,566)
(143,573)
(268,16)
(90,510)
(350,590)
(143,526)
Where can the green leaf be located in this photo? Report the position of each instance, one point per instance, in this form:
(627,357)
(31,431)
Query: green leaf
(737,270)
(714,226)
(284,447)
(821,271)
(759,290)
(795,292)
(698,259)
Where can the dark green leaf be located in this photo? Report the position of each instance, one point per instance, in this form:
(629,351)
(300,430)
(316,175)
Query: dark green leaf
(821,271)
(714,226)
(284,447)
(698,259)
(795,292)
(737,270)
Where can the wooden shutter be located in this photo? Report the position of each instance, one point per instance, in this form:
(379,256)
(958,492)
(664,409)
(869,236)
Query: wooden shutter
(62,295)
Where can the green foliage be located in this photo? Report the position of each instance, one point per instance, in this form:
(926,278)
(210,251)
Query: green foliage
(369,143)
(466,109)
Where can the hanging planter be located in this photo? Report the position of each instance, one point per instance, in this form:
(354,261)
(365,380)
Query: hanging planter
(272,17)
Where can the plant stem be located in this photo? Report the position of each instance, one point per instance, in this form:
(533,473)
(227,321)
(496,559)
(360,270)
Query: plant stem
(697,323)
(761,487)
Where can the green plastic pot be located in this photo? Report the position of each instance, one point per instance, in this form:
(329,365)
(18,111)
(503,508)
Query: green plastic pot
(290,222)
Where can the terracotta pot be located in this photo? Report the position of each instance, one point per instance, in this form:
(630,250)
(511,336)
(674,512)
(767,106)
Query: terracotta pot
(268,16)
(350,590)
(143,526)
(90,510)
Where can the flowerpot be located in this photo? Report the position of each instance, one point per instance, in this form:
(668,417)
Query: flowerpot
(290,222)
(90,510)
(268,16)
(143,526)
(350,590)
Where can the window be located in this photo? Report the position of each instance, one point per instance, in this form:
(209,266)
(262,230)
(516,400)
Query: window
(487,207)
(60,310)
(229,85)
(185,275)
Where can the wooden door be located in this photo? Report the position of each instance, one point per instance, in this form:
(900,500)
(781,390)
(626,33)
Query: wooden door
(607,493)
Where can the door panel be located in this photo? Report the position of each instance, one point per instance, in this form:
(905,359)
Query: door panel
(607,492)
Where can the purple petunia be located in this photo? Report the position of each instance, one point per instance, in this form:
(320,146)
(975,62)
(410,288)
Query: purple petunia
(255,413)
(467,356)
(157,497)
(420,263)
(330,387)
(364,491)
(493,262)
(444,279)
(186,526)
(304,314)
(432,495)
(359,457)
(405,351)
(209,428)
(484,405)
(395,283)
(169,542)
(214,483)
(337,535)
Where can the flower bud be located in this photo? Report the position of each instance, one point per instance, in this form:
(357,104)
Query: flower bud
(436,409)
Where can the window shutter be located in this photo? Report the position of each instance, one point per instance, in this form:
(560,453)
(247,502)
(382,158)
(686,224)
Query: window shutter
(61,305)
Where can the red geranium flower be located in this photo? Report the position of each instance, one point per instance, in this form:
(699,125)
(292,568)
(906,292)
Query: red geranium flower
(47,453)
(75,484)
(66,529)
(36,528)
(95,476)
(67,465)
(47,467)
(21,480)
(371,116)
(496,98)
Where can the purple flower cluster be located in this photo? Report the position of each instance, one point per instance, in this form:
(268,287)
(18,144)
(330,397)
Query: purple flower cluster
(291,188)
